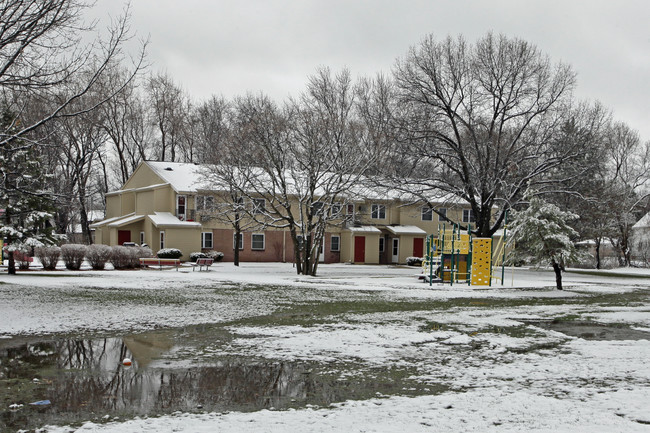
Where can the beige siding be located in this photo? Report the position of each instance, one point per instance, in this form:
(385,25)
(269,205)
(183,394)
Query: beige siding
(186,240)
(113,206)
(143,176)
(128,202)
(145,203)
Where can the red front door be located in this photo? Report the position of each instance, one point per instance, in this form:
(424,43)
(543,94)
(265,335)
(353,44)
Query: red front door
(359,249)
(418,247)
(123,236)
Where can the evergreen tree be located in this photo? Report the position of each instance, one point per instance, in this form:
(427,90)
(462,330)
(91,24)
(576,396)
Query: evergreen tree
(544,236)
(25,202)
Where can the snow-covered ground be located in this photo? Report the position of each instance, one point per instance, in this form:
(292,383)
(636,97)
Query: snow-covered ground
(501,372)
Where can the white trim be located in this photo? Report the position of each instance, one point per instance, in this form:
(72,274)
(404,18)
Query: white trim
(263,241)
(379,207)
(338,249)
(203,243)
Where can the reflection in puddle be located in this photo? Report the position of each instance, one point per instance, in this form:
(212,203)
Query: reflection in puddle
(84,379)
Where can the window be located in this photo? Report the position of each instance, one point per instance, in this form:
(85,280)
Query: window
(206,240)
(378,211)
(382,245)
(141,238)
(259,205)
(180,207)
(336,209)
(335,243)
(427,213)
(162,240)
(204,202)
(442,213)
(468,216)
(257,241)
(317,207)
(241,241)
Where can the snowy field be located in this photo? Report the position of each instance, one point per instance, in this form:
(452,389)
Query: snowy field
(481,358)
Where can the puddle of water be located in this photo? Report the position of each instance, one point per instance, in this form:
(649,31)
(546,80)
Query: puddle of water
(85,380)
(591,330)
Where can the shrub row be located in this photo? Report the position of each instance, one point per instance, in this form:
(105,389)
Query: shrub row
(97,255)
(119,256)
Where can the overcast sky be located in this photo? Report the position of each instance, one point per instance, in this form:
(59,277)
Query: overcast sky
(231,47)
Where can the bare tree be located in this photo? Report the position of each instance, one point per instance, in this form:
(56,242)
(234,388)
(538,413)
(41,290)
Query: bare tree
(42,52)
(169,111)
(478,121)
(627,185)
(126,121)
(300,163)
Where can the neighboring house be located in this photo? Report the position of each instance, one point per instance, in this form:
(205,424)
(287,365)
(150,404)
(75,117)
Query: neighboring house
(163,205)
(640,239)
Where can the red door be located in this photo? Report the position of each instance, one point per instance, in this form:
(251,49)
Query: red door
(123,236)
(418,247)
(359,249)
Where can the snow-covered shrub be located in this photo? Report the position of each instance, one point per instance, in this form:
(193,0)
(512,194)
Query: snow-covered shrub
(169,253)
(197,255)
(73,255)
(49,256)
(414,261)
(121,257)
(97,255)
(217,256)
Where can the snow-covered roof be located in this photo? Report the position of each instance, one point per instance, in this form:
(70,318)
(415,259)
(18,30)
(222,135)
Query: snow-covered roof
(364,229)
(406,230)
(144,188)
(127,220)
(110,220)
(167,219)
(644,222)
(183,177)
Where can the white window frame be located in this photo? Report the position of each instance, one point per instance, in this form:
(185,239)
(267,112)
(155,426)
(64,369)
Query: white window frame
(162,239)
(258,205)
(468,216)
(204,202)
(378,211)
(141,238)
(181,215)
(338,243)
(253,235)
(336,210)
(426,212)
(241,241)
(204,243)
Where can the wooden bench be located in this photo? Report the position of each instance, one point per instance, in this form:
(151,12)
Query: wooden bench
(201,263)
(154,261)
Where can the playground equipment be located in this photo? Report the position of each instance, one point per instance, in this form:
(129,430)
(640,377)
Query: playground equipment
(454,256)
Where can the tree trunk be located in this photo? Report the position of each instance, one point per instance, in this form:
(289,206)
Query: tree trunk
(598,265)
(235,244)
(558,274)
(11,269)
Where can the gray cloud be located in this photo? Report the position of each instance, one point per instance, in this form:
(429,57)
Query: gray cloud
(231,47)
